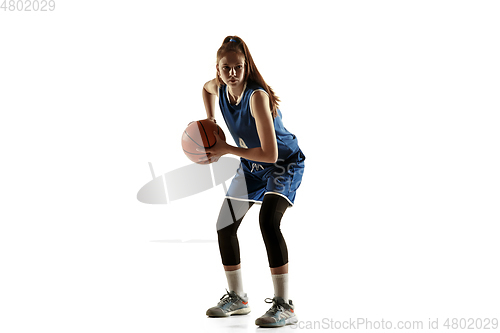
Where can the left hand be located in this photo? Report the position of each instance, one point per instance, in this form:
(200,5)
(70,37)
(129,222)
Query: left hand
(217,151)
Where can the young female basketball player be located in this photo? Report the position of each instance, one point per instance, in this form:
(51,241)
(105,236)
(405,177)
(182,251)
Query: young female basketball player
(270,172)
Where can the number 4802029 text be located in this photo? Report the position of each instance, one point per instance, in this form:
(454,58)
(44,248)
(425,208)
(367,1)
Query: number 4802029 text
(28,5)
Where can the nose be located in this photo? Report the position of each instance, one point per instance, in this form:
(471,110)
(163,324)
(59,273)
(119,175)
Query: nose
(232,71)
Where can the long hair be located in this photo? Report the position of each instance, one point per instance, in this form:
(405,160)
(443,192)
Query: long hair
(251,71)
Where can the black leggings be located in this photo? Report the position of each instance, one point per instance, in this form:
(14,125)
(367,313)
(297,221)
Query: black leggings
(232,213)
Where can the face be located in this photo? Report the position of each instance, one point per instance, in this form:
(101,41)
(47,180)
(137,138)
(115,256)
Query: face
(231,69)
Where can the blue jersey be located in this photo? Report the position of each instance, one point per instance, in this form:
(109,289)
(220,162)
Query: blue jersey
(241,124)
(253,180)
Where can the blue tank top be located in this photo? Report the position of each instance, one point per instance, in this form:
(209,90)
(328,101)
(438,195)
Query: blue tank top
(241,124)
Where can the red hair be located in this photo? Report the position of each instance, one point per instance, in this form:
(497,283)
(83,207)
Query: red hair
(236,44)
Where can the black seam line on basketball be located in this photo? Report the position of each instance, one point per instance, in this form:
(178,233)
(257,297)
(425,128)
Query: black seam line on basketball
(210,146)
(187,152)
(193,140)
(208,140)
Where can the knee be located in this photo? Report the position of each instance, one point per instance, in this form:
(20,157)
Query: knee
(224,226)
(269,223)
(271,213)
(227,231)
(231,214)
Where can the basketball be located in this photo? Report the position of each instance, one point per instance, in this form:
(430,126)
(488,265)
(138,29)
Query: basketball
(199,134)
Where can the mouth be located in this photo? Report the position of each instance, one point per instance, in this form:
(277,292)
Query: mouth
(232,80)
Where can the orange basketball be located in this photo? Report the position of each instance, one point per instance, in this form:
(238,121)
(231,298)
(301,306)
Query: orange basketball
(199,134)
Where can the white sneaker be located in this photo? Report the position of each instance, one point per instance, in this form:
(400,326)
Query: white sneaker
(230,304)
(280,314)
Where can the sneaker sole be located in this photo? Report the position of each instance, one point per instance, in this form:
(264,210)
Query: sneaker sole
(282,322)
(242,311)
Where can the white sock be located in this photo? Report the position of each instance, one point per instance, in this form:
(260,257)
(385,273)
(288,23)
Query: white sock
(280,282)
(234,281)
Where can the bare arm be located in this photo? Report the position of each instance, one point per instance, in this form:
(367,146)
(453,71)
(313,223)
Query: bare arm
(268,151)
(209,92)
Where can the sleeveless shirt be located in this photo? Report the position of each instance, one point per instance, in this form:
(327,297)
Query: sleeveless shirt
(242,126)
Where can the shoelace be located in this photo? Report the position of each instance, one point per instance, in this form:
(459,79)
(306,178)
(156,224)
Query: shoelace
(275,307)
(226,298)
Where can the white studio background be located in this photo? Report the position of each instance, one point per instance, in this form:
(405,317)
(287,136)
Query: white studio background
(395,104)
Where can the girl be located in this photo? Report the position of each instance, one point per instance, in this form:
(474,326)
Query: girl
(269,174)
